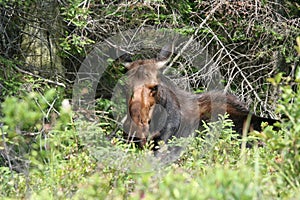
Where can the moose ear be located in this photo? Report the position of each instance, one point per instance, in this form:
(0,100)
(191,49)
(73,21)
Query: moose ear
(161,64)
(126,60)
(164,55)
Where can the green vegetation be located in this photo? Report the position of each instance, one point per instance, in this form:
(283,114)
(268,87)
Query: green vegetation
(52,150)
(59,164)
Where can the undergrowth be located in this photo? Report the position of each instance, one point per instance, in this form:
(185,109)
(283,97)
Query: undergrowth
(67,157)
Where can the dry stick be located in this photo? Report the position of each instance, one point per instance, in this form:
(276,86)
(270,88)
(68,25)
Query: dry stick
(194,35)
(7,152)
(37,76)
(129,43)
(136,32)
(235,66)
(5,146)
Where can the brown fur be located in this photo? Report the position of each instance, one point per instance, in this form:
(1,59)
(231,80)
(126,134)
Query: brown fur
(159,111)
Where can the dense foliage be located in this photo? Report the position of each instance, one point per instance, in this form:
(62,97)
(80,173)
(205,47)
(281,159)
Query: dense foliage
(57,163)
(49,150)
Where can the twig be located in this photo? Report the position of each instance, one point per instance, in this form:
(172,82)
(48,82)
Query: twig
(6,149)
(194,35)
(37,76)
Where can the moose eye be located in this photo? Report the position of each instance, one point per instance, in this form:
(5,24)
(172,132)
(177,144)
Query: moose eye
(154,88)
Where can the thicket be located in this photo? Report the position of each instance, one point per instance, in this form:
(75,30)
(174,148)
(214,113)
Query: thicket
(50,151)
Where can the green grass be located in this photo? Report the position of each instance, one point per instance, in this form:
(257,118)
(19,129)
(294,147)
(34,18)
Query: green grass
(75,160)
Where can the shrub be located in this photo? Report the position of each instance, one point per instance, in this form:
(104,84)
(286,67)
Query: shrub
(283,146)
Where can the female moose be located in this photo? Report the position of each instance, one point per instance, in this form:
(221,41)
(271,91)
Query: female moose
(157,110)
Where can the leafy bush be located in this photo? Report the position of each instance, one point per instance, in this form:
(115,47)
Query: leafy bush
(77,160)
(283,146)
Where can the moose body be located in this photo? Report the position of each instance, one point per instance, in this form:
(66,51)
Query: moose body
(158,110)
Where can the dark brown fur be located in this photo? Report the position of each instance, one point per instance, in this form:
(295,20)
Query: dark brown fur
(157,110)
